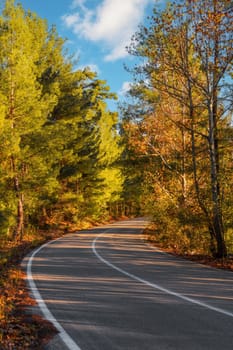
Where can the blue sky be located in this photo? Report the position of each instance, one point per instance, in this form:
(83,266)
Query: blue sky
(97,32)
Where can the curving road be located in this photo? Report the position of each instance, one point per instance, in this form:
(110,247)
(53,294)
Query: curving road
(105,289)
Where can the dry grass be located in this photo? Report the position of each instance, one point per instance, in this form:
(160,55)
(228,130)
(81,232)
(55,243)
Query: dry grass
(226,263)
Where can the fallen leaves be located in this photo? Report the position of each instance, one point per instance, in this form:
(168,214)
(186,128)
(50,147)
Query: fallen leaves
(19,328)
(224,263)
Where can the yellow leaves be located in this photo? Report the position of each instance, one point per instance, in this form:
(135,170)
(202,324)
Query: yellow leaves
(18,330)
(3,308)
(7,292)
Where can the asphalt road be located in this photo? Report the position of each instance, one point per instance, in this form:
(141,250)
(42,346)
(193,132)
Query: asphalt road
(105,289)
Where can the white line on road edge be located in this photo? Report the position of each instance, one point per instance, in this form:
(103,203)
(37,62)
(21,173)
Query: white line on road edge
(153,285)
(67,340)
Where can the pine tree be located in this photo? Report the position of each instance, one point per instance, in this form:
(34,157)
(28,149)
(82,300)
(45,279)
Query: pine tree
(58,140)
(27,102)
(82,115)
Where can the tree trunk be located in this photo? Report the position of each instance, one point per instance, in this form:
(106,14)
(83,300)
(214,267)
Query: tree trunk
(217,220)
(218,227)
(19,229)
(214,218)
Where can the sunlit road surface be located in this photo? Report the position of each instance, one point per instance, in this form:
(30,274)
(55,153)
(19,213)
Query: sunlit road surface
(109,290)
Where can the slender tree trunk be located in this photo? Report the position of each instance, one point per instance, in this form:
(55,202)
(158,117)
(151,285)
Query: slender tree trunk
(20,218)
(217,220)
(19,229)
(183,161)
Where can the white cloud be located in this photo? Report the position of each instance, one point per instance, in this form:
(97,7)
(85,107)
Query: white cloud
(71,20)
(112,23)
(78,3)
(125,88)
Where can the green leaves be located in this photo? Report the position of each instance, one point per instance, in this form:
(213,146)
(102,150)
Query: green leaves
(58,140)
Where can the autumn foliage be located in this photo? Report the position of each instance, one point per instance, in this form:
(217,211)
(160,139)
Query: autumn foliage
(19,328)
(179,123)
(65,159)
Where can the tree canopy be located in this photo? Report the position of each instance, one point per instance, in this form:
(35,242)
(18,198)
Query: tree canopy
(181,120)
(59,142)
(65,157)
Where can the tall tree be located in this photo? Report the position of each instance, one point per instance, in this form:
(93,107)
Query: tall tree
(84,130)
(213,28)
(21,91)
(188,55)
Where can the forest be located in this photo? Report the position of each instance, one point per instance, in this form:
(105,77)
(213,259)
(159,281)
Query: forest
(167,152)
(59,142)
(67,161)
(178,124)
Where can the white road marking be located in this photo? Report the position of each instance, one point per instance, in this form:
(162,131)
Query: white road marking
(153,285)
(67,340)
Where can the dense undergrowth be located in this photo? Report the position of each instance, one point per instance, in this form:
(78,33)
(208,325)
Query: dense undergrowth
(193,246)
